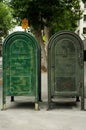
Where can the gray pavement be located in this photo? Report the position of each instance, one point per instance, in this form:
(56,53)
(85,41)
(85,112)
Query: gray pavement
(20,115)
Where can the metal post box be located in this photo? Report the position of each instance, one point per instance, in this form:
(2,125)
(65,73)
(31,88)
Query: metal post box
(21,67)
(65,66)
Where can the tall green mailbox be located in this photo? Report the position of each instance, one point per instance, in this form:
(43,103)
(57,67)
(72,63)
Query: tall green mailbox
(65,66)
(21,67)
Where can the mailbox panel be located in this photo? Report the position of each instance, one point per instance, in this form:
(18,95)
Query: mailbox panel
(66,66)
(20,66)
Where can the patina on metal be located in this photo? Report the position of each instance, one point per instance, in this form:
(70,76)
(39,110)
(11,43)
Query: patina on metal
(65,67)
(21,67)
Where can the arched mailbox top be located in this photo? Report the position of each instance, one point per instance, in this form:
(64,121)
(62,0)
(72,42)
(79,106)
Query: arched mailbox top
(65,35)
(22,36)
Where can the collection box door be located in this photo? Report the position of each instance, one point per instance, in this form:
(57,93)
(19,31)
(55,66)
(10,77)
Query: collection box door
(66,57)
(20,62)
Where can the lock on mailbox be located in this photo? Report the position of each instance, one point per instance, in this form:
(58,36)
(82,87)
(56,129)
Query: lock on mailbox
(21,67)
(65,67)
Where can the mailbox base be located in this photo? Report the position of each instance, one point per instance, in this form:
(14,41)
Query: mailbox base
(51,102)
(36,102)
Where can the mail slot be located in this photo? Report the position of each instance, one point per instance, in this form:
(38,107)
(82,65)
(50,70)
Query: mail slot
(21,67)
(65,67)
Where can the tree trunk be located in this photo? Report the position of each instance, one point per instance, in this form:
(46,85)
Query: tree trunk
(47,34)
(38,36)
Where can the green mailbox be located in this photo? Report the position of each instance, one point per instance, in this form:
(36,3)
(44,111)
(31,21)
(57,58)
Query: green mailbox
(65,67)
(21,67)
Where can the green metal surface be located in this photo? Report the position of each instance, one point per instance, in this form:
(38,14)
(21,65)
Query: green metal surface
(65,66)
(21,64)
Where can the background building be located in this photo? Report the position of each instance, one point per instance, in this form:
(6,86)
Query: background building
(81,31)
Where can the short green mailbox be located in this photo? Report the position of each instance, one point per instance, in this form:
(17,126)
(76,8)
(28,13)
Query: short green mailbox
(21,67)
(65,67)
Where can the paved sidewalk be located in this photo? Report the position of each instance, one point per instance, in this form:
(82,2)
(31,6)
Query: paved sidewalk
(20,115)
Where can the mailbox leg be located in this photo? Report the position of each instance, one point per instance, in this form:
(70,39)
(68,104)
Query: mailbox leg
(49,106)
(82,98)
(4,99)
(12,98)
(49,95)
(4,107)
(40,100)
(37,101)
(49,99)
(4,102)
(39,88)
(37,96)
(77,99)
(36,106)
(82,103)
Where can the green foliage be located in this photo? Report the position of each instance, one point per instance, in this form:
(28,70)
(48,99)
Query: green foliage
(5,19)
(68,16)
(55,14)
(84,1)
